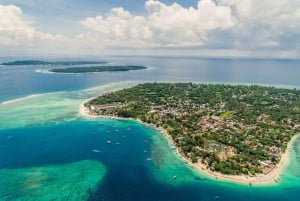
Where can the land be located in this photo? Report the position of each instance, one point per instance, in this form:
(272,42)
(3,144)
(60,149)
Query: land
(63,63)
(238,133)
(97,69)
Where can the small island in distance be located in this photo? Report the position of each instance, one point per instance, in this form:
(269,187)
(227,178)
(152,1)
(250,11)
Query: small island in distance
(239,132)
(94,69)
(81,66)
(40,63)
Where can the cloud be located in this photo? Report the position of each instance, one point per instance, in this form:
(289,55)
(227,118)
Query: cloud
(162,26)
(245,27)
(15,31)
(266,23)
(222,24)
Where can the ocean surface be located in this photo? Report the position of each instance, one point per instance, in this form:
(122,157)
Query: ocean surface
(48,151)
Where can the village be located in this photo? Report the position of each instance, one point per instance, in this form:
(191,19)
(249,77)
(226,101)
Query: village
(222,129)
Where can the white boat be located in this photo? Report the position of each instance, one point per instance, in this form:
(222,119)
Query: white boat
(108,142)
(95,150)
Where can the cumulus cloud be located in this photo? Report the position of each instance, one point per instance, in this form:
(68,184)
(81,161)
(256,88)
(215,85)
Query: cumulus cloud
(16,31)
(226,24)
(266,23)
(251,26)
(162,26)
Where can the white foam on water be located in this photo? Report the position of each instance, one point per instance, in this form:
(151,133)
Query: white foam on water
(20,99)
(43,71)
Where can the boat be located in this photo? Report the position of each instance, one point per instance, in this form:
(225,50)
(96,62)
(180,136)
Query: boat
(149,159)
(174,177)
(108,142)
(95,150)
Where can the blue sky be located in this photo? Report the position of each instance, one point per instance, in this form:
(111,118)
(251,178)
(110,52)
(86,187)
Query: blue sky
(247,28)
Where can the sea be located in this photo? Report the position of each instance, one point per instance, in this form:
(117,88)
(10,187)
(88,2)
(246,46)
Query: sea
(48,151)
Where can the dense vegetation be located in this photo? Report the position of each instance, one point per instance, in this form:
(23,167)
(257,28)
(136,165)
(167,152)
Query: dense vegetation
(96,69)
(231,129)
(63,63)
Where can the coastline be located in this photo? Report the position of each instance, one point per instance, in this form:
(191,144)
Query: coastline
(272,178)
(262,179)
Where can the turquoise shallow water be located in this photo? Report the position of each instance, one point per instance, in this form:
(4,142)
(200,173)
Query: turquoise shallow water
(58,152)
(55,182)
(49,152)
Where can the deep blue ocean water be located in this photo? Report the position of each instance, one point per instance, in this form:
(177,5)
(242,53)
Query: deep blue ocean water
(45,133)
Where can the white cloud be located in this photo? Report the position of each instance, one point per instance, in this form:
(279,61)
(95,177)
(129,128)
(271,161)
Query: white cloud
(162,26)
(15,31)
(266,23)
(118,27)
(225,24)
(247,26)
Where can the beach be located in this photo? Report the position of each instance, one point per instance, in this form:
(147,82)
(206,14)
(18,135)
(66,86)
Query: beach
(84,111)
(261,179)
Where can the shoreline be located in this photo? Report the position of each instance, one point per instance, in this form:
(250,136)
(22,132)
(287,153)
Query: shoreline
(262,179)
(272,178)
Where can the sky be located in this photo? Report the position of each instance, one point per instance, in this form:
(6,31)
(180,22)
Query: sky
(221,28)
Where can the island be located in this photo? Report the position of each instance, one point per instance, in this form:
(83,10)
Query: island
(235,132)
(94,69)
(41,63)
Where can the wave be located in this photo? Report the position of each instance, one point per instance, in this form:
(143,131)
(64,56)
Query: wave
(20,99)
(149,68)
(43,71)
(31,96)
(113,85)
